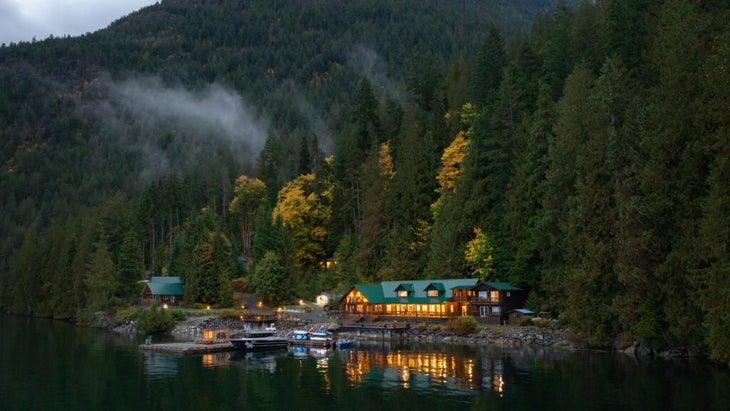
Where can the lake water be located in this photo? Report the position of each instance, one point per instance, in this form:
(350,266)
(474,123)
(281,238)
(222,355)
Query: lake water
(46,365)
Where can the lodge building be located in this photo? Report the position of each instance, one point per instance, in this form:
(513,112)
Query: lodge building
(488,302)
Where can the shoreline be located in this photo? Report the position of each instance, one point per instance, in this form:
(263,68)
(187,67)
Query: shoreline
(419,333)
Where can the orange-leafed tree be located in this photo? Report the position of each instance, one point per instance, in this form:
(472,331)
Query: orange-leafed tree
(303,205)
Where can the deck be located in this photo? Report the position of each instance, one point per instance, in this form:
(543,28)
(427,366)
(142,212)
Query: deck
(187,348)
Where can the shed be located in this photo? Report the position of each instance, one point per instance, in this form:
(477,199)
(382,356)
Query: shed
(516,316)
(166,290)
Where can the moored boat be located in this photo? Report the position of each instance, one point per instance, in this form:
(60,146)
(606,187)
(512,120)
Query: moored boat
(312,338)
(258,340)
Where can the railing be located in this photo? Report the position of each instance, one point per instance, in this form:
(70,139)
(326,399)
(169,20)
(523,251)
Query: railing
(478,300)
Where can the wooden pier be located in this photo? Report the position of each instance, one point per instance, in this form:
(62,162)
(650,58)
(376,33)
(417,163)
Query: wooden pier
(378,331)
(187,348)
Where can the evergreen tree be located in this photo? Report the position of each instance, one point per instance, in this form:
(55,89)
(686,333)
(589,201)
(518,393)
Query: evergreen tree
(130,270)
(488,68)
(267,167)
(377,175)
(713,287)
(524,196)
(100,279)
(270,279)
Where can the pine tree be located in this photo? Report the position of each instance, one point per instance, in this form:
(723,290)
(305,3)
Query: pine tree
(488,69)
(130,268)
(100,279)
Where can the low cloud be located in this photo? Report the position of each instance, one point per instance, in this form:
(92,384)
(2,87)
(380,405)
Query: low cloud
(368,63)
(309,113)
(170,127)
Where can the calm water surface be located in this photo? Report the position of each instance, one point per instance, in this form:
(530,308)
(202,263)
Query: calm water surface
(47,365)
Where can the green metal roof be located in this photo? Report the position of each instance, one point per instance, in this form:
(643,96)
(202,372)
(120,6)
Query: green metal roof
(372,292)
(386,291)
(502,286)
(166,286)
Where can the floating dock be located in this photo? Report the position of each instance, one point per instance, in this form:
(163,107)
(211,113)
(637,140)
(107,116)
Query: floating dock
(186,348)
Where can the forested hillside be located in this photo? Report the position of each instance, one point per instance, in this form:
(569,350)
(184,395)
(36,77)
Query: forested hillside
(580,151)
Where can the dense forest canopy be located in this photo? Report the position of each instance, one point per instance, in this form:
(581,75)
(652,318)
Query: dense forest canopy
(578,150)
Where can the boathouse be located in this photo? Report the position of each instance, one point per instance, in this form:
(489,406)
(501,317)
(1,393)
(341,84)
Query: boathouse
(488,302)
(163,290)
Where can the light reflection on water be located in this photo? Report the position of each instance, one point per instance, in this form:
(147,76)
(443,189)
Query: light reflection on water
(48,365)
(422,370)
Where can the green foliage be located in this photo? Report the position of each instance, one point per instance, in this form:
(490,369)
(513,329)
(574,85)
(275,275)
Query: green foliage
(127,314)
(178,314)
(464,325)
(480,256)
(230,314)
(270,280)
(154,320)
(100,278)
(249,195)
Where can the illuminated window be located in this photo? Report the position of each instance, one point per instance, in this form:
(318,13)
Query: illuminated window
(433,293)
(494,295)
(402,293)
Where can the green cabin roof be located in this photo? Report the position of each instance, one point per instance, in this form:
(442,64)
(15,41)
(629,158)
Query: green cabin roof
(386,291)
(502,286)
(436,286)
(166,286)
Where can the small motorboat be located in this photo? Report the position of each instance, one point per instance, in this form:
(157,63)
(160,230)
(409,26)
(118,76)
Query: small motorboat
(312,338)
(259,340)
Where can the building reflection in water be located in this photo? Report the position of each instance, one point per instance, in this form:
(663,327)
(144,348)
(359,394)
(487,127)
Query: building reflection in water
(493,374)
(407,369)
(264,361)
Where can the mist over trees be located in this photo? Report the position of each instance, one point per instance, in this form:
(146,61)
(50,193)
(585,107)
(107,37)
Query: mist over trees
(577,150)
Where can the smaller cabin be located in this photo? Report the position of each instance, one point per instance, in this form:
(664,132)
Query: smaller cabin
(163,290)
(517,316)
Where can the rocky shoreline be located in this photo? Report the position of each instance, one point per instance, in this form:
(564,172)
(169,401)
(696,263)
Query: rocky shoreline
(502,336)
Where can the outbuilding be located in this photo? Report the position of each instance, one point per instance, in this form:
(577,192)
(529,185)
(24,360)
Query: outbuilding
(516,316)
(163,290)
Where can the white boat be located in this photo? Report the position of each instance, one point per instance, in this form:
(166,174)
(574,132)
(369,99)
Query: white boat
(259,340)
(312,338)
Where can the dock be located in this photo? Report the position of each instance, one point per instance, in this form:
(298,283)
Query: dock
(187,348)
(377,331)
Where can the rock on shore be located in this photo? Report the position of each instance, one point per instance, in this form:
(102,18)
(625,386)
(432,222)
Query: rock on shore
(498,335)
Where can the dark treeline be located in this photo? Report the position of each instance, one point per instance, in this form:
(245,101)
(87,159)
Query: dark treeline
(578,151)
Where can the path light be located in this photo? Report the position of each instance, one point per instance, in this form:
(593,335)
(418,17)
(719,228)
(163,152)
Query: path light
(164,306)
